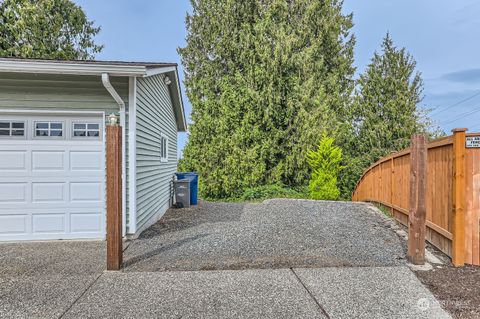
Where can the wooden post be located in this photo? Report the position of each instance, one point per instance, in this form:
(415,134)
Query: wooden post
(459,196)
(392,183)
(114,197)
(418,191)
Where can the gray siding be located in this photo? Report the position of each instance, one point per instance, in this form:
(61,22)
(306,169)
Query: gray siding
(38,91)
(154,178)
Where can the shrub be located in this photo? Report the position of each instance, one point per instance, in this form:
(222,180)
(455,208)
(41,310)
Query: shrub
(325,165)
(272,191)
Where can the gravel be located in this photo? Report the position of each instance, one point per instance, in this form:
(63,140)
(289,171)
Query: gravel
(281,233)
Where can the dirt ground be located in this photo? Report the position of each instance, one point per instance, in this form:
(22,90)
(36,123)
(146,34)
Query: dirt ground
(457,289)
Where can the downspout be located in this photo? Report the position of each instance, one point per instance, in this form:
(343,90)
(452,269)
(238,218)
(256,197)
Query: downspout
(121,104)
(111,90)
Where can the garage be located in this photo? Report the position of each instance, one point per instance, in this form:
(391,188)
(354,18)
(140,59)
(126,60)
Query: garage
(52,176)
(53,116)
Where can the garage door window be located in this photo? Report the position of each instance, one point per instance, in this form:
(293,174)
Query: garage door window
(12,129)
(87,130)
(49,129)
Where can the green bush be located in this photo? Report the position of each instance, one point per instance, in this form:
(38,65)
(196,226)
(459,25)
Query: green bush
(325,165)
(272,191)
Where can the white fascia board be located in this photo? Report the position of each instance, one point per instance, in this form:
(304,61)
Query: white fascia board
(71,68)
(132,155)
(174,69)
(161,70)
(180,97)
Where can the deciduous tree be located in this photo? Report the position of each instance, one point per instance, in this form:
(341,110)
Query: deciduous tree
(46,29)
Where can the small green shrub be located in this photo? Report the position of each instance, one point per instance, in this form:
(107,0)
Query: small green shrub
(272,191)
(325,165)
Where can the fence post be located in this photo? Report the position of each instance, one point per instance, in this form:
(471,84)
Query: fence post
(459,196)
(392,183)
(114,196)
(418,191)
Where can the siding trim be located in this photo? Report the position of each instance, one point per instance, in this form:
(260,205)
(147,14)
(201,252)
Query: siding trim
(124,171)
(132,149)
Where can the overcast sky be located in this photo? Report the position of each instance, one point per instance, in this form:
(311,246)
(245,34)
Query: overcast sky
(441,35)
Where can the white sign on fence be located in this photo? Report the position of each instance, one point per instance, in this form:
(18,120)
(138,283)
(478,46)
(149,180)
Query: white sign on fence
(473,142)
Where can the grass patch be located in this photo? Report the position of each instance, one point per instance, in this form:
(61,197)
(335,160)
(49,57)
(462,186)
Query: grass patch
(385,210)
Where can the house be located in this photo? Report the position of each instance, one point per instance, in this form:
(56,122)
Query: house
(52,145)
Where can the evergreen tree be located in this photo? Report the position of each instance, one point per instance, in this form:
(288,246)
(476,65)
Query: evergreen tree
(46,29)
(325,164)
(265,79)
(386,110)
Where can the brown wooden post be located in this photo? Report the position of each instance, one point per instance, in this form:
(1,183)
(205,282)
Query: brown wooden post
(418,191)
(459,196)
(392,183)
(114,197)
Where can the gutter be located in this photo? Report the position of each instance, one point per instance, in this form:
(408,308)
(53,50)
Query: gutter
(70,68)
(106,83)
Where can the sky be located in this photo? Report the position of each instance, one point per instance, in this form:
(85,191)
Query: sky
(440,34)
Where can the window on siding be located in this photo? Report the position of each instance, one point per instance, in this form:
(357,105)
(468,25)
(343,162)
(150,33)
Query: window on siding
(48,129)
(87,130)
(163,148)
(12,129)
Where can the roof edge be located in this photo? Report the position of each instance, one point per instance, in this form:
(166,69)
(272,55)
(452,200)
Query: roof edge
(113,68)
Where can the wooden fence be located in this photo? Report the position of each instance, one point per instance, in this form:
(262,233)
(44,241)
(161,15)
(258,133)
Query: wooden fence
(453,194)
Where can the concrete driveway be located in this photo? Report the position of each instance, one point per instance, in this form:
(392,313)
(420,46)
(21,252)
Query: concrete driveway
(44,279)
(278,259)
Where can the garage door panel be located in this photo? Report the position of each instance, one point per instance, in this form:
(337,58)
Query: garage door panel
(48,160)
(86,222)
(48,223)
(82,160)
(81,192)
(13,224)
(13,193)
(49,192)
(13,160)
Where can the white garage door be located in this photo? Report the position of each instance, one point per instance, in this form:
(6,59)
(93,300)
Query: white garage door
(52,177)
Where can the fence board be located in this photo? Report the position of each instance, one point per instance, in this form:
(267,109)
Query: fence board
(472,227)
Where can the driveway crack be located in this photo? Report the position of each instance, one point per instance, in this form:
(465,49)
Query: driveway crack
(320,307)
(81,295)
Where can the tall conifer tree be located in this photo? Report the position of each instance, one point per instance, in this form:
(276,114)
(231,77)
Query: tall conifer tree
(386,110)
(265,79)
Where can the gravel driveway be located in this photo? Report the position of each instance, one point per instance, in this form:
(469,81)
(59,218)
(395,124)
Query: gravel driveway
(277,233)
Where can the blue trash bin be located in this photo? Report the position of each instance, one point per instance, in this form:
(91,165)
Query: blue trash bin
(193,178)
